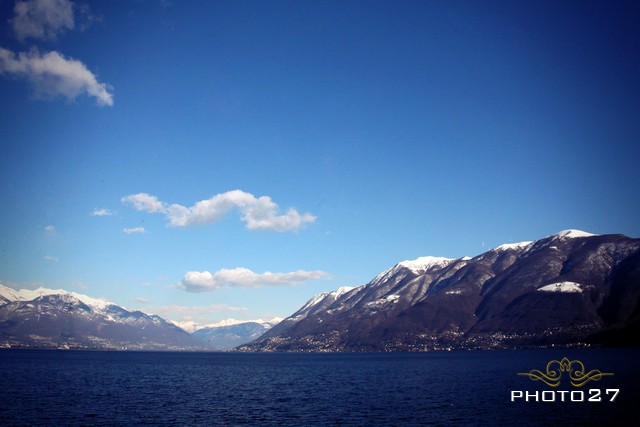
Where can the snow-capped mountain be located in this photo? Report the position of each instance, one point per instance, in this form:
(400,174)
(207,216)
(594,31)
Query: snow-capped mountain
(191,326)
(62,319)
(49,318)
(226,335)
(568,288)
(229,333)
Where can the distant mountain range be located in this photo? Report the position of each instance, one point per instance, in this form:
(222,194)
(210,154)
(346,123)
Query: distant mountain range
(227,337)
(571,288)
(47,318)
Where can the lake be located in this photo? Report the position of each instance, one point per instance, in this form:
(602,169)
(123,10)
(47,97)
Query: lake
(39,387)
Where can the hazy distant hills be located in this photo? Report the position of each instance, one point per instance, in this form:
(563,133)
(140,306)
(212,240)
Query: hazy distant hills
(227,337)
(47,318)
(571,288)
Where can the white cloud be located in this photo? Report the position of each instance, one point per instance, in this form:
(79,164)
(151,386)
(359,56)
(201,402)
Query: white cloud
(42,19)
(145,202)
(51,75)
(259,213)
(134,230)
(101,212)
(50,229)
(202,281)
(51,258)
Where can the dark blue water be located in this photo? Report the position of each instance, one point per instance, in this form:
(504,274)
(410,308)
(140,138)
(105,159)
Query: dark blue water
(438,388)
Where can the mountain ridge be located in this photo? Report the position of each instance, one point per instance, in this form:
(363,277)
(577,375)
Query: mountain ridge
(57,318)
(564,289)
(48,318)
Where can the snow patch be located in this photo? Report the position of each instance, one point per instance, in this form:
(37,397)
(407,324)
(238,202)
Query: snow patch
(566,287)
(383,301)
(392,298)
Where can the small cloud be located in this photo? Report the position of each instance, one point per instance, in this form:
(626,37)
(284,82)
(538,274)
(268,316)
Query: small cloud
(259,213)
(102,212)
(50,229)
(51,75)
(85,17)
(134,230)
(202,281)
(141,300)
(159,281)
(145,202)
(80,285)
(51,258)
(42,19)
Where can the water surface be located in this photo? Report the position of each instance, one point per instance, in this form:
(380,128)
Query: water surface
(227,389)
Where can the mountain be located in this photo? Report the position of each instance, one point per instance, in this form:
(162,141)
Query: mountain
(571,288)
(47,318)
(227,336)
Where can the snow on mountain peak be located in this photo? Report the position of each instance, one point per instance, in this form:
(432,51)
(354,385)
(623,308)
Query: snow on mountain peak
(341,290)
(422,264)
(564,234)
(507,246)
(8,293)
(188,326)
(317,299)
(417,266)
(191,326)
(28,295)
(572,234)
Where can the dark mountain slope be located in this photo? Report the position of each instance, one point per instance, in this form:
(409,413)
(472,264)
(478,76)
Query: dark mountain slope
(568,288)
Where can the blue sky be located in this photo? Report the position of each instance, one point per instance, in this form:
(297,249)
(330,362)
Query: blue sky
(213,160)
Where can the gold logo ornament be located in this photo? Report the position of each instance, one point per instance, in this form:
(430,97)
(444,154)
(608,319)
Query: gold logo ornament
(555,369)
